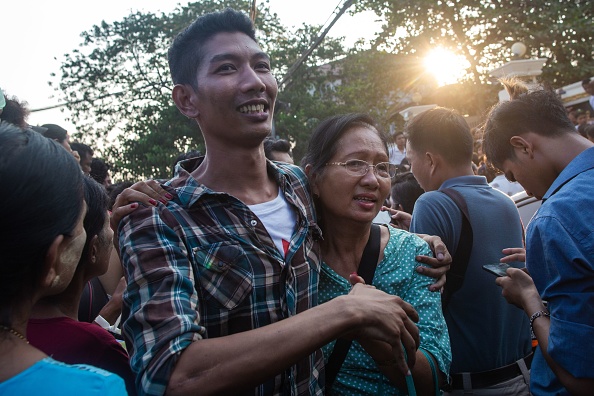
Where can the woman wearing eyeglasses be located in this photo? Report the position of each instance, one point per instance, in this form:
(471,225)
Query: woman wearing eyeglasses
(350,175)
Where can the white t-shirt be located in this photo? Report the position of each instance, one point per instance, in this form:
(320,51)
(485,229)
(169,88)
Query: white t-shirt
(502,184)
(279,219)
(396,156)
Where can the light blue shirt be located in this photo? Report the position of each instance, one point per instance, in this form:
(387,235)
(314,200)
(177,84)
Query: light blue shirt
(51,378)
(560,258)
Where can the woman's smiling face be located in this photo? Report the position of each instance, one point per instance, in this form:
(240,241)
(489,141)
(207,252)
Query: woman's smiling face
(344,195)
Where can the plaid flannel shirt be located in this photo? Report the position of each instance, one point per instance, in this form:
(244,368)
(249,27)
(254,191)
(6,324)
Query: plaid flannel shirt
(204,266)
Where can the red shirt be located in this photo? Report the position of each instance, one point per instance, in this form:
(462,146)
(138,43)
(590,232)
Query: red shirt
(73,342)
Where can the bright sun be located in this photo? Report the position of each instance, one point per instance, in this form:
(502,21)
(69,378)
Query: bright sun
(447,67)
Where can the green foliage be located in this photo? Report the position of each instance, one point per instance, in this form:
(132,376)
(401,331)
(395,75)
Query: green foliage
(118,86)
(483,31)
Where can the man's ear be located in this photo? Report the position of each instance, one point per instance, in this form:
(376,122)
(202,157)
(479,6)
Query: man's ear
(522,146)
(432,159)
(184,97)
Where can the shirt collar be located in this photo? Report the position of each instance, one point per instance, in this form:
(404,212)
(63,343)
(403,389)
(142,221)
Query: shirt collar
(583,162)
(464,180)
(189,190)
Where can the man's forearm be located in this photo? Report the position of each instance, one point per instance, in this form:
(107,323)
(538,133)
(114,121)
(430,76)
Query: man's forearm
(541,327)
(243,360)
(232,363)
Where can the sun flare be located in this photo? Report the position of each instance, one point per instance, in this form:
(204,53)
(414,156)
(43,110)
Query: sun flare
(446,67)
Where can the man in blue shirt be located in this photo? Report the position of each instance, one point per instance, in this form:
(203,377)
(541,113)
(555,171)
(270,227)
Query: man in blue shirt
(531,139)
(490,339)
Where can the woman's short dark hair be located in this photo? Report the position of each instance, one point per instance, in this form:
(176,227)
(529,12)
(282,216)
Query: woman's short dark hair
(97,206)
(541,112)
(185,54)
(323,141)
(42,199)
(405,191)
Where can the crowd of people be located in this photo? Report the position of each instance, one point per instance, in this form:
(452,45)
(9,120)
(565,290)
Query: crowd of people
(247,274)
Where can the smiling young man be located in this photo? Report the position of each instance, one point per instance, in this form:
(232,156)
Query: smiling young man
(532,140)
(222,280)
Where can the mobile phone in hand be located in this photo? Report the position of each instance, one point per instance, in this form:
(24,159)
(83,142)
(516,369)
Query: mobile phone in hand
(497,269)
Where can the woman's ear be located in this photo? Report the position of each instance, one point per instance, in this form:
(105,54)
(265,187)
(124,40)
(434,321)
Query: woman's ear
(51,263)
(185,99)
(313,180)
(93,250)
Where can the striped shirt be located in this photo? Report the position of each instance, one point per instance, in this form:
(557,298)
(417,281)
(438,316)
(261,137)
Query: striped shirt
(204,266)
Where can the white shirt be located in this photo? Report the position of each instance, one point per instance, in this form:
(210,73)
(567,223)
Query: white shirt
(502,184)
(278,219)
(396,156)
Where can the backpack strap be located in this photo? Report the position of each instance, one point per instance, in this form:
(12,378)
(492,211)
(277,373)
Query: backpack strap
(457,272)
(366,270)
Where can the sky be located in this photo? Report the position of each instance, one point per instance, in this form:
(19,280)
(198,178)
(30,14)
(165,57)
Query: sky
(36,34)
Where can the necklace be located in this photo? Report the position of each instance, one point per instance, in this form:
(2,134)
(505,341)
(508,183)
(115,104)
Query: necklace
(15,333)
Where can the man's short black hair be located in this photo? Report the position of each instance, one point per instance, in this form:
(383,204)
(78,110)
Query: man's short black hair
(55,132)
(279,145)
(99,170)
(443,131)
(541,112)
(82,149)
(586,81)
(185,53)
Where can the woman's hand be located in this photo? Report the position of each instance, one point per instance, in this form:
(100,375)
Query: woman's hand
(145,192)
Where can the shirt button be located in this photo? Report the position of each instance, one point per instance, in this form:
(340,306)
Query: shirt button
(253,223)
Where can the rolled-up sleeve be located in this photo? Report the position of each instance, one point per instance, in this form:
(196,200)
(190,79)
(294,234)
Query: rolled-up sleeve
(559,260)
(160,302)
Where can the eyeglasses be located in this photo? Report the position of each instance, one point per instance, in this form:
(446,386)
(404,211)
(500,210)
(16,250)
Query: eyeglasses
(360,168)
